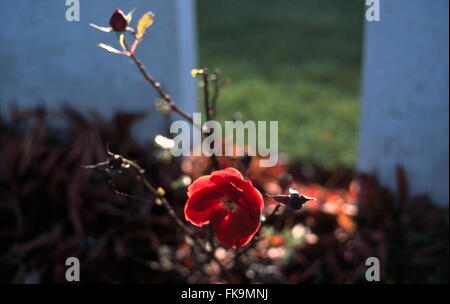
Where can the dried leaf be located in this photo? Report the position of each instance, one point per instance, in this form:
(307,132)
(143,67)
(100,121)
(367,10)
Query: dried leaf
(129,16)
(109,48)
(101,28)
(122,41)
(144,23)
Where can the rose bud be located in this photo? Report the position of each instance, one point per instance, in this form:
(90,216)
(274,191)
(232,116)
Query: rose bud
(118,21)
(294,200)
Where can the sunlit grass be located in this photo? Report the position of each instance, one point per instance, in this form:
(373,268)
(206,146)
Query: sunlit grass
(297,62)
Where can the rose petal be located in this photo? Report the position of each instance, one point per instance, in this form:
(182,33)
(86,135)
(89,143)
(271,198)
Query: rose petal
(230,185)
(199,184)
(228,172)
(201,205)
(253,196)
(235,229)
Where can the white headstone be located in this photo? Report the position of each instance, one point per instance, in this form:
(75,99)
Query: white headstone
(406,96)
(45,59)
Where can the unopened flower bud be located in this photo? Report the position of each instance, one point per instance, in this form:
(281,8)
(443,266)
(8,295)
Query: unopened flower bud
(118,21)
(294,200)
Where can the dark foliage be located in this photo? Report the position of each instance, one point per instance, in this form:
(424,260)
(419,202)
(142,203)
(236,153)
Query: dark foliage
(52,207)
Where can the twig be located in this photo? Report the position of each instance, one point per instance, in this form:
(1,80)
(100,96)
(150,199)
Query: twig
(273,213)
(216,92)
(160,195)
(208,111)
(117,162)
(157,86)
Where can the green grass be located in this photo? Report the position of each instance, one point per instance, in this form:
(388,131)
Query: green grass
(294,61)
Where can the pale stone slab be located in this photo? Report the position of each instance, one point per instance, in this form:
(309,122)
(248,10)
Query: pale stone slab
(406,97)
(46,60)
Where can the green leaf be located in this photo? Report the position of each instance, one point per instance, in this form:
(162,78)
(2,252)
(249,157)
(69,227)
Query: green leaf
(144,23)
(101,28)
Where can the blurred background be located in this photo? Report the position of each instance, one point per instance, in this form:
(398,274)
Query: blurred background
(363,127)
(289,64)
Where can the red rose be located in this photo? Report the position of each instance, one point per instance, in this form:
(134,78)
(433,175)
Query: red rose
(229,203)
(118,21)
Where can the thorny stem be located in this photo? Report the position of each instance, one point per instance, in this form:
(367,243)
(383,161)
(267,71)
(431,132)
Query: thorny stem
(166,97)
(208,111)
(174,216)
(174,107)
(161,200)
(215,94)
(272,214)
(157,86)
